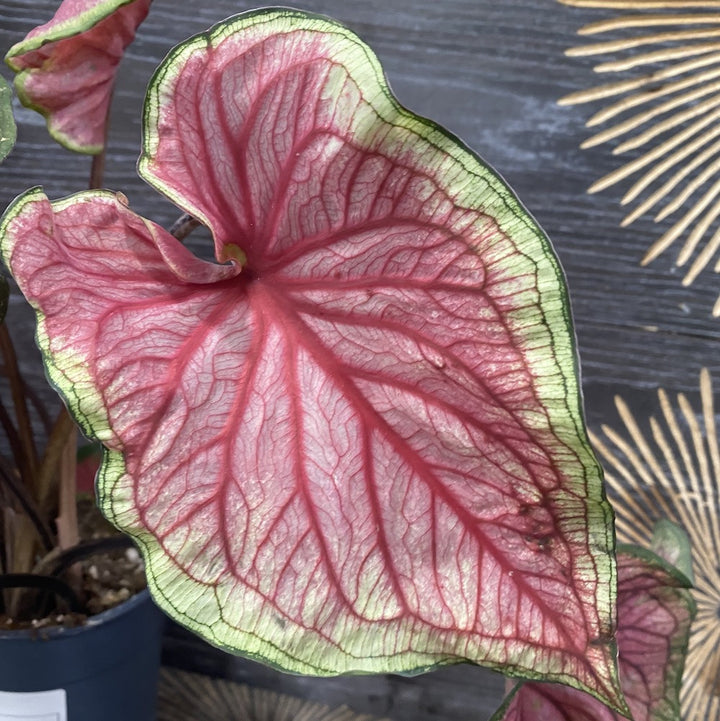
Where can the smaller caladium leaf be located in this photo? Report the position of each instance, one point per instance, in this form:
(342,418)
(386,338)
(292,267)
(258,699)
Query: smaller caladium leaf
(66,67)
(89,457)
(655,611)
(354,444)
(7,120)
(671,543)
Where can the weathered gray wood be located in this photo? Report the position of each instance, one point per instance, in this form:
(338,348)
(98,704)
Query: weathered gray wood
(457,692)
(491,71)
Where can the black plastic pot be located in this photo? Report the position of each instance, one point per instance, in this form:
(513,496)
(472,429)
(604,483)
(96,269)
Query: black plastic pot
(108,667)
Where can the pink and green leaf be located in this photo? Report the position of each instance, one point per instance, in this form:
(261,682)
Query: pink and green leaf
(672,544)
(66,67)
(655,611)
(356,444)
(89,458)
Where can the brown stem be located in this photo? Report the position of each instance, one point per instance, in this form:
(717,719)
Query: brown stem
(15,486)
(40,408)
(59,467)
(67,519)
(6,525)
(67,525)
(24,549)
(35,401)
(49,475)
(183,226)
(13,437)
(5,532)
(97,170)
(24,425)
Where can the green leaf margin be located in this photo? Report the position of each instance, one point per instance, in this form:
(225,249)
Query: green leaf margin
(8,129)
(67,29)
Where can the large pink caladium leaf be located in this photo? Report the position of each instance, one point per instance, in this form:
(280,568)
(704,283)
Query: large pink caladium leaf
(655,611)
(357,443)
(66,67)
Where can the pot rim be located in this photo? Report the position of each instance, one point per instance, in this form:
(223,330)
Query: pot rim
(50,632)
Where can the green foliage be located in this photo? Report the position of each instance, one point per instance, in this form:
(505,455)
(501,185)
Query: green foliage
(672,544)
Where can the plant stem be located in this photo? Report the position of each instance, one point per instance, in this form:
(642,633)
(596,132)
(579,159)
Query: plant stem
(97,170)
(183,226)
(67,522)
(21,537)
(24,549)
(67,519)
(27,502)
(61,452)
(49,476)
(28,468)
(40,408)
(13,437)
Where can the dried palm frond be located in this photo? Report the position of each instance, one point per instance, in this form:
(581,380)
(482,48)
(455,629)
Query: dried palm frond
(676,476)
(669,100)
(185,696)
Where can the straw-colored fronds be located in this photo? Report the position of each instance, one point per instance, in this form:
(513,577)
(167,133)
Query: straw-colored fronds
(187,696)
(676,475)
(667,104)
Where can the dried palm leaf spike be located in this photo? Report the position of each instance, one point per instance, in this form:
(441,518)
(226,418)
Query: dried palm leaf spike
(668,104)
(676,476)
(185,695)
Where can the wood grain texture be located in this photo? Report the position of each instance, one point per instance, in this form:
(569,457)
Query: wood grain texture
(491,72)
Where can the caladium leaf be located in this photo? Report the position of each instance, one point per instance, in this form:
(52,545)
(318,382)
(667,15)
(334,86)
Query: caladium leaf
(66,67)
(655,611)
(89,457)
(357,444)
(671,543)
(8,130)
